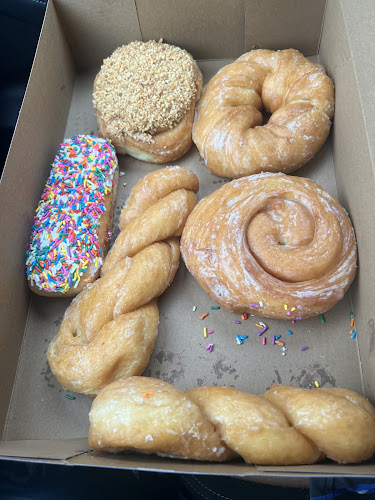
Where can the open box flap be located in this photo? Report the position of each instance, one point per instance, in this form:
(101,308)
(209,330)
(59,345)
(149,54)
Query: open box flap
(32,150)
(284,25)
(94,29)
(345,51)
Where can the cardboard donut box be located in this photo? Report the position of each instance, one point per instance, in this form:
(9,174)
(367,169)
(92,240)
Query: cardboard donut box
(37,422)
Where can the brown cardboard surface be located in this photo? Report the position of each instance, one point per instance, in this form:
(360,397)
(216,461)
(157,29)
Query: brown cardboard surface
(52,449)
(346,54)
(180,357)
(216,27)
(35,139)
(38,408)
(94,29)
(282,25)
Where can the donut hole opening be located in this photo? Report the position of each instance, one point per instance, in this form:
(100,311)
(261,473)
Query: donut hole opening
(266,116)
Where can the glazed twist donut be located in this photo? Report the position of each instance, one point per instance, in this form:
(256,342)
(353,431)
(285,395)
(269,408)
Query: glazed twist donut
(109,330)
(228,129)
(285,426)
(272,245)
(158,208)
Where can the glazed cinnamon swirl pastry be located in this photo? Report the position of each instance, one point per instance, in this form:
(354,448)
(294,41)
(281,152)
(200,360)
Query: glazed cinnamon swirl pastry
(273,245)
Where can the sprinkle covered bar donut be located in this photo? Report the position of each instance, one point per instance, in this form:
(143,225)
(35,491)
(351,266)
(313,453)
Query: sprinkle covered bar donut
(70,234)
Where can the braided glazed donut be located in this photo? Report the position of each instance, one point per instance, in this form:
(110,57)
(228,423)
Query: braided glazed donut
(273,245)
(109,330)
(157,208)
(228,129)
(285,426)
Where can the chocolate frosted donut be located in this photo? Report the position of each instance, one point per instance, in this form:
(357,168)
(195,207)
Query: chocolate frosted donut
(272,245)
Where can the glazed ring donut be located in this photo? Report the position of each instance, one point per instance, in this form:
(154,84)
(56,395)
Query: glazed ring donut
(144,96)
(228,129)
(273,245)
(285,426)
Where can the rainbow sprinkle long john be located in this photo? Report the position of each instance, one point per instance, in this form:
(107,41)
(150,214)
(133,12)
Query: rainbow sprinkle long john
(65,234)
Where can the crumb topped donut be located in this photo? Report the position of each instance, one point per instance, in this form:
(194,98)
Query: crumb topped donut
(228,129)
(145,97)
(70,235)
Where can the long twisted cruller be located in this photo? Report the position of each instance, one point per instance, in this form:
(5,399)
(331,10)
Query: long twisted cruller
(285,426)
(109,330)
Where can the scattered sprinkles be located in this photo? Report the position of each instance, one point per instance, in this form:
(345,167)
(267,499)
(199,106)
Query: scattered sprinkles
(147,394)
(64,237)
(244,316)
(194,308)
(352,332)
(304,348)
(239,340)
(322,318)
(237,322)
(264,340)
(209,347)
(262,331)
(205,333)
(316,383)
(214,307)
(278,342)
(254,305)
(210,331)
(289,332)
(69,397)
(204,315)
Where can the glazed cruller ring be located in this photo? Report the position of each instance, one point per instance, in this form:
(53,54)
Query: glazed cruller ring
(229,132)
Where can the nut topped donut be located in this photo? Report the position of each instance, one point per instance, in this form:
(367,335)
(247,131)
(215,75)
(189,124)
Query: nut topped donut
(228,130)
(145,96)
(70,234)
(273,245)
